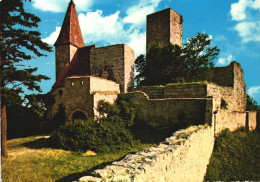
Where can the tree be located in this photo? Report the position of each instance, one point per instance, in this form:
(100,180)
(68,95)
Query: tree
(251,104)
(19,41)
(173,64)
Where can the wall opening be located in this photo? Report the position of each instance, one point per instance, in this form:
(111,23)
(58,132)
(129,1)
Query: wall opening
(78,115)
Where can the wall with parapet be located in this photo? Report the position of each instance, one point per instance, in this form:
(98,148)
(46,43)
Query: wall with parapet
(182,157)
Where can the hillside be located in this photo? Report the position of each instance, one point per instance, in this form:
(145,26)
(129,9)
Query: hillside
(236,156)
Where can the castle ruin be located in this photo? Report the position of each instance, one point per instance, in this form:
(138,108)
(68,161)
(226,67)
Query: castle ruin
(87,74)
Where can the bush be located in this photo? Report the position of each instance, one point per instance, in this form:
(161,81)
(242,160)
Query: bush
(111,131)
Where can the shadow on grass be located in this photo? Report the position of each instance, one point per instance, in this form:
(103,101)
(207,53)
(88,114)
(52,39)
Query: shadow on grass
(76,176)
(38,144)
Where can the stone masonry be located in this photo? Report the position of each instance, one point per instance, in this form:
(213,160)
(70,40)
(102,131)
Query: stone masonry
(164,27)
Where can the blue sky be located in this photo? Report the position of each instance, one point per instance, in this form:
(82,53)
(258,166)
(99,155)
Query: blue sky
(233,25)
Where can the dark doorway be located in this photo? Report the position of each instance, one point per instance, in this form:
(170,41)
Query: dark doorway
(79,115)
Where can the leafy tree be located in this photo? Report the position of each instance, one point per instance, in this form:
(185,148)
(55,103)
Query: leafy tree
(251,104)
(173,64)
(19,41)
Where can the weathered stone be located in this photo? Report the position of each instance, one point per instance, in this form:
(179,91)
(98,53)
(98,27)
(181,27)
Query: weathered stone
(89,179)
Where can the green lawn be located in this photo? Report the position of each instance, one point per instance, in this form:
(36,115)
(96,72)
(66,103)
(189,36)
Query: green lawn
(30,160)
(236,157)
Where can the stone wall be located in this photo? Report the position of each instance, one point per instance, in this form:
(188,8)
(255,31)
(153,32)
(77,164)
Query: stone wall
(78,98)
(114,63)
(182,157)
(102,85)
(64,55)
(164,27)
(167,112)
(154,92)
(60,98)
(82,93)
(229,119)
(252,120)
(228,77)
(106,96)
(193,90)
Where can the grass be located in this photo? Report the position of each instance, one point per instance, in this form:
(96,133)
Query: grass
(236,157)
(31,160)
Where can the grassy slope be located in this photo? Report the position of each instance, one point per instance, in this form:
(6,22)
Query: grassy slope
(30,160)
(236,156)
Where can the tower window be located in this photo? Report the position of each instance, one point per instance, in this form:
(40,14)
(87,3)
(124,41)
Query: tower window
(72,84)
(82,82)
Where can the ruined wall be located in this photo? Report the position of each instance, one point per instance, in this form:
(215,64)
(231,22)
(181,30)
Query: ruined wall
(233,89)
(128,68)
(154,92)
(182,157)
(252,120)
(228,119)
(239,88)
(168,112)
(63,56)
(193,90)
(114,63)
(164,27)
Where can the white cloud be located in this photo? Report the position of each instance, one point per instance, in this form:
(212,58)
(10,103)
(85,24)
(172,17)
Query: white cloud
(238,10)
(137,42)
(53,37)
(137,14)
(97,27)
(253,90)
(248,26)
(248,31)
(225,59)
(255,4)
(220,38)
(61,5)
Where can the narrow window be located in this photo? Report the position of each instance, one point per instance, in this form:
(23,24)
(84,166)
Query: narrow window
(72,84)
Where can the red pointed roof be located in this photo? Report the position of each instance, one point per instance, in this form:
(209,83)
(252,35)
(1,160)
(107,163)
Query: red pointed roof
(70,31)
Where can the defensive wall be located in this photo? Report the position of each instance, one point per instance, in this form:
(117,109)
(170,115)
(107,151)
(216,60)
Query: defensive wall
(182,157)
(185,155)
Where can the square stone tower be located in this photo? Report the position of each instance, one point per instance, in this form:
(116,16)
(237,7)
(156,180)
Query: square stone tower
(164,27)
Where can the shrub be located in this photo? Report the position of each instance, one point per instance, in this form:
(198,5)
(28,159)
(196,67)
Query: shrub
(112,131)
